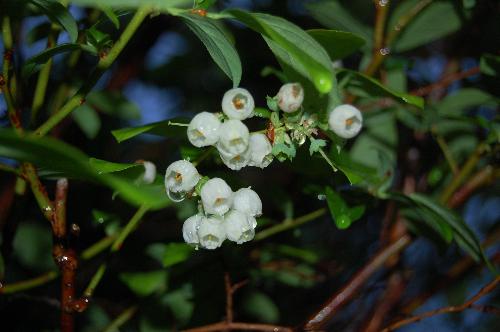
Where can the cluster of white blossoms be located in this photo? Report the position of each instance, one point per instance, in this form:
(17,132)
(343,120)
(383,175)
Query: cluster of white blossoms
(237,147)
(223,214)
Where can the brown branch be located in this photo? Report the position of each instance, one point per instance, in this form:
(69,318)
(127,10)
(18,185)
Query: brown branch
(240,326)
(395,288)
(478,180)
(466,305)
(229,298)
(445,82)
(351,288)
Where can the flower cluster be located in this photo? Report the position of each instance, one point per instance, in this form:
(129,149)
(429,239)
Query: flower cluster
(223,214)
(237,147)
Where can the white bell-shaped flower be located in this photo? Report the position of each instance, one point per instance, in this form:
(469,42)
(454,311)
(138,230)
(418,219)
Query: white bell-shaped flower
(233,137)
(190,229)
(260,150)
(247,201)
(149,175)
(181,176)
(239,226)
(203,130)
(216,196)
(345,121)
(211,232)
(235,161)
(290,97)
(238,104)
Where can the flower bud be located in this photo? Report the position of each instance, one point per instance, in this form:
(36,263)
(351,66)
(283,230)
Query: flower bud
(247,201)
(181,176)
(290,97)
(238,104)
(345,121)
(190,229)
(149,174)
(235,161)
(239,226)
(216,196)
(260,150)
(211,232)
(203,130)
(233,137)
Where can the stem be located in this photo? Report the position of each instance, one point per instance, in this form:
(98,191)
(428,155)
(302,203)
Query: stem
(43,77)
(10,169)
(350,289)
(382,7)
(122,318)
(103,64)
(129,227)
(445,81)
(39,192)
(117,244)
(30,283)
(466,305)
(404,20)
(289,224)
(446,151)
(98,247)
(468,167)
(240,326)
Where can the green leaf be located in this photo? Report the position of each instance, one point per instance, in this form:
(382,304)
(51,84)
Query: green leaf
(464,99)
(490,64)
(261,307)
(218,45)
(32,246)
(283,151)
(113,103)
(366,86)
(73,163)
(301,47)
(204,4)
(58,14)
(338,44)
(316,145)
(161,128)
(181,303)
(157,5)
(262,113)
(145,283)
(272,104)
(333,15)
(338,208)
(88,120)
(104,166)
(171,253)
(356,212)
(33,64)
(435,21)
(111,15)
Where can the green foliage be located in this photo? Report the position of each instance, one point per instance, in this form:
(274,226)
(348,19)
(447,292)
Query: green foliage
(88,121)
(309,56)
(342,214)
(490,64)
(58,14)
(171,253)
(145,283)
(338,44)
(167,128)
(37,255)
(260,307)
(218,45)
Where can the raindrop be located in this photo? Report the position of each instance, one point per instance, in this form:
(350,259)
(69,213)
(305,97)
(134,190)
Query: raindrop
(321,197)
(75,229)
(48,208)
(385,51)
(176,196)
(383,2)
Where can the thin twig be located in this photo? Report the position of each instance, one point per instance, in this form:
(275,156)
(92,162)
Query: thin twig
(122,318)
(445,81)
(289,224)
(347,292)
(466,305)
(240,326)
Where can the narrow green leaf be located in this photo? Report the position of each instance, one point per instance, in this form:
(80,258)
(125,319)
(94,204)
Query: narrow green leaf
(111,15)
(218,45)
(160,5)
(300,46)
(356,212)
(338,44)
(338,208)
(176,253)
(435,21)
(161,128)
(32,65)
(73,163)
(363,85)
(58,14)
(88,120)
(490,64)
(103,166)
(145,283)
(333,15)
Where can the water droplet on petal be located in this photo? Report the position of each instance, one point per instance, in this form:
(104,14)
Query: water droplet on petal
(176,196)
